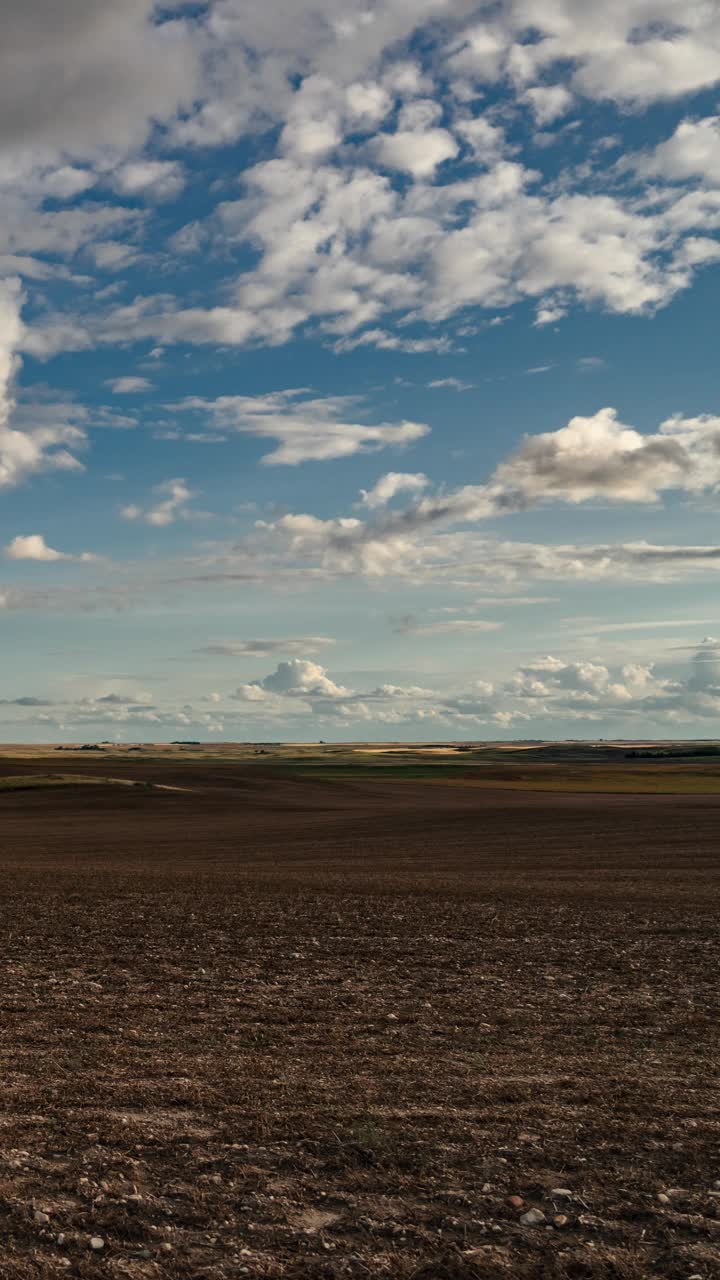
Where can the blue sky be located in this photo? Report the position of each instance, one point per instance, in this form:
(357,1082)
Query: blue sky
(358,371)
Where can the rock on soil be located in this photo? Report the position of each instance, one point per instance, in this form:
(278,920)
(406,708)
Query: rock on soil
(533,1218)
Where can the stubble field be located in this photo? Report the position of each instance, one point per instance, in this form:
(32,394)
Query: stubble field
(279,1024)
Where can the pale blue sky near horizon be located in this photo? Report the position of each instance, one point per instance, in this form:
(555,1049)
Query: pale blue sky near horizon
(358,370)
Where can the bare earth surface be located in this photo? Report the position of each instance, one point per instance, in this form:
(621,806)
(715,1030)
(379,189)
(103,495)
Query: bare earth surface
(290,1027)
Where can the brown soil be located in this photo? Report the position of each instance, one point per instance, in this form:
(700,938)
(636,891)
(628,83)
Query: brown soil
(297,1028)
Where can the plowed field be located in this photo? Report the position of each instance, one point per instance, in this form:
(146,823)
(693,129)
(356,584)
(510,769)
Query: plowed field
(283,1026)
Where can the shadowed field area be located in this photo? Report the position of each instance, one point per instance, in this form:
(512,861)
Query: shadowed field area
(280,1023)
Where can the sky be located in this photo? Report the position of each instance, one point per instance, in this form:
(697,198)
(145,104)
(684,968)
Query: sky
(358,370)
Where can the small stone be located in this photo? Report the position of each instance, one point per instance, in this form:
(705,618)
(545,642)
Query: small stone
(533,1218)
(716,1184)
(562,1193)
(516,1202)
(166,1246)
(663,1198)
(60,1238)
(392,1017)
(41,1218)
(97,1243)
(560,1220)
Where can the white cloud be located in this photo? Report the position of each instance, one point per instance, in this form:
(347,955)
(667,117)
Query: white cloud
(173,496)
(307,429)
(39,448)
(128,385)
(544,692)
(591,458)
(112,255)
(11,329)
(342,246)
(596,698)
(67,181)
(630,51)
(600,457)
(34,547)
(298,678)
(548,102)
(549,314)
(693,151)
(336,241)
(388,486)
(418,146)
(450,384)
(155,179)
(393,342)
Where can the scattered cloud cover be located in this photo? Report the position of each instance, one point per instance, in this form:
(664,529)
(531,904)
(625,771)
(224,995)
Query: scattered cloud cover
(289,233)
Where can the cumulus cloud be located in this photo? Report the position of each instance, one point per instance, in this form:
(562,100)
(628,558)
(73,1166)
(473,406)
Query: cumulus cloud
(600,457)
(34,547)
(543,693)
(392,193)
(693,151)
(595,457)
(299,676)
(11,329)
(418,146)
(154,179)
(295,678)
(39,448)
(411,548)
(630,52)
(345,248)
(307,429)
(547,102)
(173,497)
(591,457)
